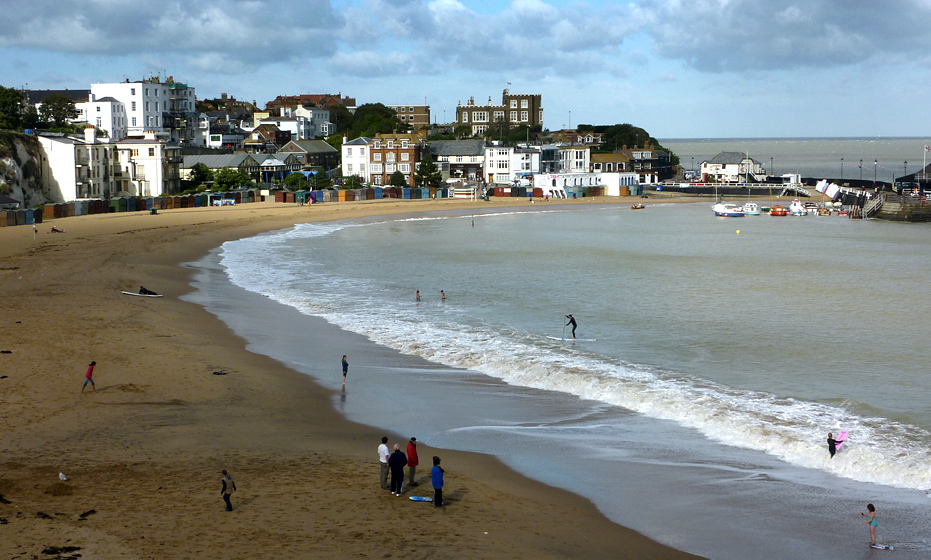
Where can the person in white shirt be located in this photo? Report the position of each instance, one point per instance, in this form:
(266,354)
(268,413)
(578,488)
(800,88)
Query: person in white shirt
(383,461)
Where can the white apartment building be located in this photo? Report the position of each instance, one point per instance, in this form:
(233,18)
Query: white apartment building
(301,128)
(106,113)
(73,168)
(504,164)
(318,116)
(150,166)
(574,159)
(356,158)
(154,106)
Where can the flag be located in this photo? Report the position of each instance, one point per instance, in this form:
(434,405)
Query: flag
(509,83)
(928,148)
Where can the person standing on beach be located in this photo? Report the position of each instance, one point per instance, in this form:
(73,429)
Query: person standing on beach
(345,369)
(436,476)
(227,490)
(397,461)
(573,323)
(383,462)
(412,460)
(89,377)
(872,521)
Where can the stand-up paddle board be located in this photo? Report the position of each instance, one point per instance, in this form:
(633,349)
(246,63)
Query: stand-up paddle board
(841,438)
(142,295)
(421,499)
(882,546)
(575,339)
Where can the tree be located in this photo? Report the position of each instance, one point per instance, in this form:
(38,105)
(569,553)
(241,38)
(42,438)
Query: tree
(30,117)
(11,107)
(201,174)
(296,181)
(374,118)
(427,173)
(57,108)
(228,178)
(463,131)
(322,181)
(397,179)
(353,182)
(341,117)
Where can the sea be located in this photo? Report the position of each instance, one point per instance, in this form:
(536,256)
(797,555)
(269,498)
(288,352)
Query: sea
(714,357)
(867,158)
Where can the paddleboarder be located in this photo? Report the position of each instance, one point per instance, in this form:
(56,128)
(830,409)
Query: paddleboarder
(573,323)
(832,444)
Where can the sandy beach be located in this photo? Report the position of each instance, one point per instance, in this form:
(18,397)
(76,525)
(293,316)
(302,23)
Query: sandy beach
(143,454)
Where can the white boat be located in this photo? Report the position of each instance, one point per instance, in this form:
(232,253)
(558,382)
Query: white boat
(752,209)
(797,208)
(728,210)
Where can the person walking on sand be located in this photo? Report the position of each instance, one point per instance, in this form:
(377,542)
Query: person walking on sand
(383,462)
(89,377)
(573,323)
(436,476)
(872,521)
(345,369)
(227,490)
(412,460)
(396,462)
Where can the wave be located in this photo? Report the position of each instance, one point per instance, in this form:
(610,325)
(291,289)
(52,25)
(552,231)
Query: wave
(879,450)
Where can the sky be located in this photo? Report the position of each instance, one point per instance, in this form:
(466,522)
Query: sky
(677,68)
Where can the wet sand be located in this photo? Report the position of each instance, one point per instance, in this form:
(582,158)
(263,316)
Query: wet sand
(143,455)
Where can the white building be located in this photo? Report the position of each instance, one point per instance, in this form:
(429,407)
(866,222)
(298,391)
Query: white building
(301,128)
(574,159)
(319,119)
(505,164)
(150,166)
(731,167)
(355,154)
(555,185)
(614,181)
(106,113)
(150,105)
(75,168)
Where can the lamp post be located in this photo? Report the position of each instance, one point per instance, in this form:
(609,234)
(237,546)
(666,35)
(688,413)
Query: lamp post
(874,173)
(861,169)
(772,170)
(904,170)
(693,164)
(842,169)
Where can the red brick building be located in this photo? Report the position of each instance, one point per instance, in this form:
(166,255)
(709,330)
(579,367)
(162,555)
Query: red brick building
(395,152)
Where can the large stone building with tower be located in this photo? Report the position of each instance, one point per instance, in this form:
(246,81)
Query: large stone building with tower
(516,109)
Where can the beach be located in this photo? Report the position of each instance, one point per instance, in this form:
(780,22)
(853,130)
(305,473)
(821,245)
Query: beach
(143,454)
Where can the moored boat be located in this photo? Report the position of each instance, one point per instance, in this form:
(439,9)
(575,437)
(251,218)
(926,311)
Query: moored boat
(778,211)
(752,209)
(728,210)
(797,208)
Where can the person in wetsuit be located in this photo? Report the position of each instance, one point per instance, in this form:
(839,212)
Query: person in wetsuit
(832,444)
(573,323)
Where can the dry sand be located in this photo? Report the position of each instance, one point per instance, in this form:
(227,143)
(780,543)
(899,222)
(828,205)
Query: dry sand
(143,455)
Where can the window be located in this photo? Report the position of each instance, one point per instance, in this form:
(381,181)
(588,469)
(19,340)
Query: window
(523,103)
(146,106)
(156,92)
(134,106)
(499,116)
(513,116)
(98,122)
(376,156)
(390,168)
(480,116)
(502,177)
(404,144)
(390,157)
(404,168)
(146,92)
(151,152)
(134,153)
(98,108)
(377,178)
(411,110)
(405,156)
(403,109)
(502,164)
(458,159)
(132,91)
(541,115)
(376,168)
(377,145)
(523,116)
(465,117)
(348,152)
(362,152)
(349,169)
(390,144)
(513,104)
(361,168)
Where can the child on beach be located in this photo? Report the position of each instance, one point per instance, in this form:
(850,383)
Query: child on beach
(345,369)
(89,377)
(872,521)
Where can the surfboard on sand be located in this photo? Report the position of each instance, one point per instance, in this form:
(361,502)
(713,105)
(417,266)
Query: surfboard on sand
(575,339)
(841,438)
(882,546)
(142,295)
(421,499)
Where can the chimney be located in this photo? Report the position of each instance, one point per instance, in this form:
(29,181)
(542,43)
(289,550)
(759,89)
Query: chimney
(345,138)
(90,134)
(150,135)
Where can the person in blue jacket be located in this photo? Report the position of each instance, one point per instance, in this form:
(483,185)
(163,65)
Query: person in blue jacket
(437,476)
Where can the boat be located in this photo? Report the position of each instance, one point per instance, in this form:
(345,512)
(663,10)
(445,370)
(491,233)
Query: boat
(778,211)
(728,210)
(752,209)
(797,208)
(638,206)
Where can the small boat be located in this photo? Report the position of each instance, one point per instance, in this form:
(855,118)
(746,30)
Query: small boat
(752,209)
(824,212)
(778,211)
(638,206)
(797,208)
(728,210)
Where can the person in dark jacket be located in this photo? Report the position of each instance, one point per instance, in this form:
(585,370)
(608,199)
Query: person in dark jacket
(573,323)
(228,488)
(396,462)
(436,476)
(412,460)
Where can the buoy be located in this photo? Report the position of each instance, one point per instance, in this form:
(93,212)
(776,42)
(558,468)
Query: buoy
(738,232)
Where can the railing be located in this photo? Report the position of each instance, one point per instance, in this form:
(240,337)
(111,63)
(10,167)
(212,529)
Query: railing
(873,205)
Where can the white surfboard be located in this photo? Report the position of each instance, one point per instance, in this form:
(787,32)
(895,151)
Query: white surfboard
(882,546)
(421,499)
(575,339)
(142,295)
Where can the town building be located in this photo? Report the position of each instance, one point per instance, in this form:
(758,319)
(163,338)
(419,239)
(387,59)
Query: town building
(107,114)
(217,162)
(417,116)
(165,108)
(459,159)
(324,100)
(574,159)
(731,167)
(320,118)
(608,162)
(226,135)
(516,109)
(506,164)
(355,157)
(312,153)
(266,139)
(150,166)
(576,138)
(73,168)
(651,165)
(35,97)
(395,152)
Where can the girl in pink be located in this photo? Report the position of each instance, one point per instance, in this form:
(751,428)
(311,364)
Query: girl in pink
(89,377)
